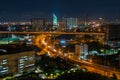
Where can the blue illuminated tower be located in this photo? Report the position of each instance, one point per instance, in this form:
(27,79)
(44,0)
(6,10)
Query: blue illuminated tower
(55,22)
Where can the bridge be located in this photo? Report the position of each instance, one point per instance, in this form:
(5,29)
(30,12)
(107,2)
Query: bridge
(67,33)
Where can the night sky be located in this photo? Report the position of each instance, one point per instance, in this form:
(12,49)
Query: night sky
(18,10)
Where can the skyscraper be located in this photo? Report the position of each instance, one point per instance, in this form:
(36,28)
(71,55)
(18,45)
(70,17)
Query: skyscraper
(38,24)
(81,51)
(55,21)
(71,23)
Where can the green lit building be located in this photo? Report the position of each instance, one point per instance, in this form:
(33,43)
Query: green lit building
(55,22)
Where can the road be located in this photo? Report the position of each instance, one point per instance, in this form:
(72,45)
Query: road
(101,69)
(38,33)
(92,67)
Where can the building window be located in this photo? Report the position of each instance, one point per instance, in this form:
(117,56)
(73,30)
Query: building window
(4,62)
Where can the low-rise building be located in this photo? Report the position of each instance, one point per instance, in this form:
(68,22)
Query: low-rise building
(17,63)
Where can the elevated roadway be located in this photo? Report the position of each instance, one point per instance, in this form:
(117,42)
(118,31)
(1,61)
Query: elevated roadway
(101,69)
(92,67)
(38,33)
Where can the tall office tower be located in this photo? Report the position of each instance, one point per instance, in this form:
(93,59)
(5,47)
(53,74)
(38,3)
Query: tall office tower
(71,23)
(55,22)
(38,24)
(83,51)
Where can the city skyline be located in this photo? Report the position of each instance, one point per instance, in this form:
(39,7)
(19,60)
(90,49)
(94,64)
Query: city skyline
(25,9)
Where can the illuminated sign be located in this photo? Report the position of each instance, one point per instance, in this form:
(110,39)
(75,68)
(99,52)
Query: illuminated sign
(63,42)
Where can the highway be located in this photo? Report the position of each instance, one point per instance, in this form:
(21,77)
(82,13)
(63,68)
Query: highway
(92,67)
(101,69)
(38,33)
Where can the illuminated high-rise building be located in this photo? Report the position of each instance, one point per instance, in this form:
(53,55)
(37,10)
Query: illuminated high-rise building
(55,21)
(81,51)
(71,23)
(38,24)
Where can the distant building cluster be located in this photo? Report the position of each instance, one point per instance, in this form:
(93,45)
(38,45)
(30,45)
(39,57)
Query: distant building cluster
(41,24)
(67,24)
